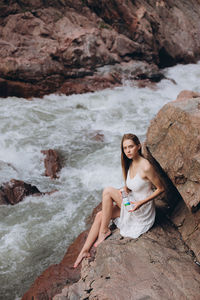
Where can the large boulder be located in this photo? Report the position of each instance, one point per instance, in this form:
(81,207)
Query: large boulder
(59,46)
(173,138)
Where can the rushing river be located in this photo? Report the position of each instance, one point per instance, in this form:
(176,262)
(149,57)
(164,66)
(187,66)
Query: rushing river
(36,232)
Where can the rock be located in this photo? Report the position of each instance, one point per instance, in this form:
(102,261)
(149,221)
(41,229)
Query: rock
(98,136)
(53,279)
(90,219)
(14,191)
(173,139)
(59,46)
(163,28)
(52,163)
(156,265)
(188,225)
(184,95)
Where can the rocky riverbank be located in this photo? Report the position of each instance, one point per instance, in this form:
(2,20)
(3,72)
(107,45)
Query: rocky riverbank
(80,46)
(155,266)
(164,262)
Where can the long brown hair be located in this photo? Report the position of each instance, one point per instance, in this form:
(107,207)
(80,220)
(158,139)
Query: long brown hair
(125,161)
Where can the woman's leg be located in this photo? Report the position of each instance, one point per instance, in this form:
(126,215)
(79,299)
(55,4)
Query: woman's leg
(93,234)
(109,196)
(91,238)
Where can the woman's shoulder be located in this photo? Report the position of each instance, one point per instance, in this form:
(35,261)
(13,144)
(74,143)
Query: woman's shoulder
(146,165)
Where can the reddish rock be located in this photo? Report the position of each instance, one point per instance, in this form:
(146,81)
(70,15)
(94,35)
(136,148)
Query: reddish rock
(14,191)
(163,28)
(89,84)
(90,218)
(173,139)
(19,89)
(52,163)
(59,46)
(53,279)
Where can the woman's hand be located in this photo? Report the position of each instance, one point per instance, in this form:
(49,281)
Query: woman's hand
(137,205)
(125,189)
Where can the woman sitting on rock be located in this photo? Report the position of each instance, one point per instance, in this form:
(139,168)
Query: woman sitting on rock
(139,176)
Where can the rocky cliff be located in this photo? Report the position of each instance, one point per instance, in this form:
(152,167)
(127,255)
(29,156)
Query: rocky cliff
(63,46)
(164,262)
(174,140)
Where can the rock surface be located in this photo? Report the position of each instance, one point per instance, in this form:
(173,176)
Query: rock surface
(173,139)
(61,46)
(155,266)
(53,279)
(14,191)
(52,163)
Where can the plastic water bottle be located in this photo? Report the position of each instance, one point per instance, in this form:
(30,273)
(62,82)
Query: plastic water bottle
(126,201)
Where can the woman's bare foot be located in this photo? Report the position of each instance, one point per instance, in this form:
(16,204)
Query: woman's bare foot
(102,237)
(80,258)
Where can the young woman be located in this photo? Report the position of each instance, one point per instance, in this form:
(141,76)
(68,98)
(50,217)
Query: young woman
(139,177)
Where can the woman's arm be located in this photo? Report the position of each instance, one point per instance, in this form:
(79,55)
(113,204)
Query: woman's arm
(152,176)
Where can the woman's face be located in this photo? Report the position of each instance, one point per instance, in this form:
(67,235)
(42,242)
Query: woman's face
(130,149)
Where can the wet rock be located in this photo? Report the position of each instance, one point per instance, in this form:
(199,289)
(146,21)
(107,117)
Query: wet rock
(173,140)
(90,218)
(53,279)
(59,46)
(14,191)
(52,163)
(98,137)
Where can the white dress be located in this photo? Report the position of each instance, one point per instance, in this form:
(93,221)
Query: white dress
(133,224)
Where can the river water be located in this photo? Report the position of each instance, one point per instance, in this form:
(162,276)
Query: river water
(36,232)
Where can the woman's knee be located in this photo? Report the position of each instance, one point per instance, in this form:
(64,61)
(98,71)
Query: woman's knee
(98,216)
(107,191)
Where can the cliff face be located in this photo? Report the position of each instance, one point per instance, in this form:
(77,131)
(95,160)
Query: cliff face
(161,263)
(60,46)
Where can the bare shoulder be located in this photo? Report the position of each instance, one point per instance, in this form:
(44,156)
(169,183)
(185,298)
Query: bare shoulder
(146,166)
